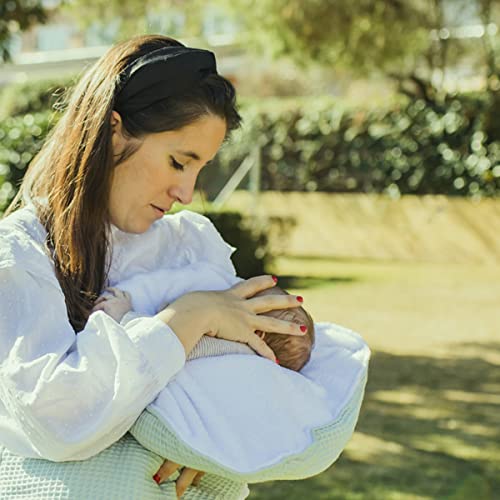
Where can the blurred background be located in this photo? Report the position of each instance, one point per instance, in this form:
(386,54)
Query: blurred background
(366,177)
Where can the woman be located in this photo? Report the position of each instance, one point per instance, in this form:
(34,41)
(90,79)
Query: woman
(140,125)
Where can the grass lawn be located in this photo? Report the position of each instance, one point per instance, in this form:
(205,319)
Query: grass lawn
(430,424)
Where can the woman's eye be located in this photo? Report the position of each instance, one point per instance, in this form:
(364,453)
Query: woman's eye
(176,164)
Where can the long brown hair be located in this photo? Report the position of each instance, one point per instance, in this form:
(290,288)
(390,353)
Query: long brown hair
(70,179)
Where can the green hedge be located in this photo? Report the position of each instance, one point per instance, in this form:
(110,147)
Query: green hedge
(32,97)
(412,149)
(253,255)
(420,147)
(21,137)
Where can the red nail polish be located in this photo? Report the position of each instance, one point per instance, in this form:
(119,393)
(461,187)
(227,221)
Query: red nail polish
(157,478)
(277,361)
(300,299)
(275,279)
(303,328)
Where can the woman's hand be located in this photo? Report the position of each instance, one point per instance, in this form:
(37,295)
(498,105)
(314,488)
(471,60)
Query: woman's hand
(187,477)
(232,314)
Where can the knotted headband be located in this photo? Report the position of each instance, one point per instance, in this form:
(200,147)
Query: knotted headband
(162,73)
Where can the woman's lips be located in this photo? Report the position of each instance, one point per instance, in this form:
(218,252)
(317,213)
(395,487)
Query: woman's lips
(159,210)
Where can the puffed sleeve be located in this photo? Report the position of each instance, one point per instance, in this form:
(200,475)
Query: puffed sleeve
(200,241)
(192,256)
(67,396)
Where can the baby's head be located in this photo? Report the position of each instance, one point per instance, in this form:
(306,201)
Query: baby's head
(292,351)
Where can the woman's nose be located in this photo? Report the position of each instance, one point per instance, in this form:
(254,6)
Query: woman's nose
(183,192)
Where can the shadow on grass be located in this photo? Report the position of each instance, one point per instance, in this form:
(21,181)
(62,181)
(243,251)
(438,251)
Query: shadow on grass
(305,282)
(429,428)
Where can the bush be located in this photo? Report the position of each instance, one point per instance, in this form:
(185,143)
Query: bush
(317,145)
(21,138)
(252,256)
(418,148)
(32,97)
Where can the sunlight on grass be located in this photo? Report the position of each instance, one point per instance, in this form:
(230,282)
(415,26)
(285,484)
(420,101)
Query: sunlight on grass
(471,397)
(428,427)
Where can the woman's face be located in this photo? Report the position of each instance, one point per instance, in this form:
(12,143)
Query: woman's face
(162,171)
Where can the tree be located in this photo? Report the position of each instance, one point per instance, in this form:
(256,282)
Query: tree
(407,38)
(365,35)
(15,16)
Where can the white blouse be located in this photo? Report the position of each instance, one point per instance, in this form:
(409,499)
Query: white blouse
(65,396)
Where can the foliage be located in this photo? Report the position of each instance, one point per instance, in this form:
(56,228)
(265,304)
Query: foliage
(427,145)
(253,254)
(177,18)
(33,97)
(361,35)
(21,137)
(419,148)
(18,15)
(370,36)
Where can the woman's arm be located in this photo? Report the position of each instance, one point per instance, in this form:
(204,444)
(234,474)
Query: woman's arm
(67,396)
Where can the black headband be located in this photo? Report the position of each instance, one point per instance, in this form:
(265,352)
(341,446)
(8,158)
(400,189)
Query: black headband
(160,74)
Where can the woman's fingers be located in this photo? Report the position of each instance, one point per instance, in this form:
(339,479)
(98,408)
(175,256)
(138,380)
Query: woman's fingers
(251,286)
(99,307)
(267,303)
(260,347)
(184,480)
(273,325)
(165,471)
(102,298)
(197,479)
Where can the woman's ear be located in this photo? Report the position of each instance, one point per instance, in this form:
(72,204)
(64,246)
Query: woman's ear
(117,138)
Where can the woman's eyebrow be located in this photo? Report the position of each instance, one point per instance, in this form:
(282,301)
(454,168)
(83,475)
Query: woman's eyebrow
(190,154)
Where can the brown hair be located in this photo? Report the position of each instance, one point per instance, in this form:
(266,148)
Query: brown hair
(292,351)
(70,179)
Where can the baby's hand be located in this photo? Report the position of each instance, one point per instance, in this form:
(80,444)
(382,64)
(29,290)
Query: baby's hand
(114,303)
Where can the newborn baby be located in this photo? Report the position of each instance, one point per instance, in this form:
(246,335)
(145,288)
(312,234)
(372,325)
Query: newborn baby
(147,293)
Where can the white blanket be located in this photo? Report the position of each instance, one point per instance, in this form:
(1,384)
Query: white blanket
(246,413)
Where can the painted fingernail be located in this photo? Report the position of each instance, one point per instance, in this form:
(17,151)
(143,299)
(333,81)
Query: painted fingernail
(157,478)
(303,328)
(275,279)
(300,299)
(277,361)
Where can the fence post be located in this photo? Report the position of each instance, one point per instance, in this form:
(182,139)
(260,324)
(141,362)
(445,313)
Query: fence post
(255,180)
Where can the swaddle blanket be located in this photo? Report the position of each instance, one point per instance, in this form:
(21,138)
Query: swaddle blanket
(244,418)
(296,434)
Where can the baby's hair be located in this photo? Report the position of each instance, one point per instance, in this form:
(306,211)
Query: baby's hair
(292,351)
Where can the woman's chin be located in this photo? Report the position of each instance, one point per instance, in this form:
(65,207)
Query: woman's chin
(136,226)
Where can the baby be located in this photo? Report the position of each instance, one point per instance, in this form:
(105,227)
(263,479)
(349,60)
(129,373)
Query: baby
(149,292)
